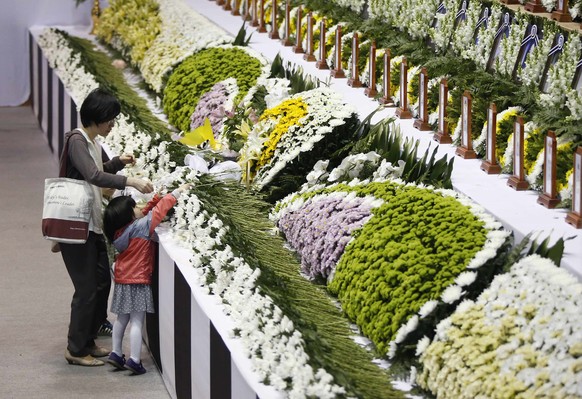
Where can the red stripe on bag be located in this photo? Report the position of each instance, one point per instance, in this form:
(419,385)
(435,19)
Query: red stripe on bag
(65,228)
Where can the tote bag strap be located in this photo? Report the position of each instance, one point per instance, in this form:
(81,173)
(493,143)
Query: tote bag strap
(65,155)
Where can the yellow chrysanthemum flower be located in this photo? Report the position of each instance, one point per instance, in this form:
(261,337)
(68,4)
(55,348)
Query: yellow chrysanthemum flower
(287,114)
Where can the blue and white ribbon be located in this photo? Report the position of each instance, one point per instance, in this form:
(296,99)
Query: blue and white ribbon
(441,9)
(532,37)
(462,13)
(483,20)
(504,28)
(528,43)
(558,47)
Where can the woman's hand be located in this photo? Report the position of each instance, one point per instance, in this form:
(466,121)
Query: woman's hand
(127,159)
(143,186)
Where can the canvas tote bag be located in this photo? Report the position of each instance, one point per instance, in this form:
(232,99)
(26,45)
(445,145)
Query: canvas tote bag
(67,206)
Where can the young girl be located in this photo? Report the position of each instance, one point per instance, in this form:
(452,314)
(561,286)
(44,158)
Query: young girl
(131,231)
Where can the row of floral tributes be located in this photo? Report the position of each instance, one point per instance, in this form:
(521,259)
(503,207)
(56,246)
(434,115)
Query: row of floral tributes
(398,254)
(527,65)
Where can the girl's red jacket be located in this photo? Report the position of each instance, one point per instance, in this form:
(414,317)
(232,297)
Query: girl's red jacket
(135,262)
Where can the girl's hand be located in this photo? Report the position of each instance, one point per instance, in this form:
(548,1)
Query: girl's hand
(185,187)
(127,159)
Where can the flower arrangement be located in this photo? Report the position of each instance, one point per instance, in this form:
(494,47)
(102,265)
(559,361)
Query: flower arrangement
(463,36)
(531,74)
(213,105)
(67,64)
(561,74)
(286,117)
(394,257)
(416,16)
(321,227)
(510,45)
(440,34)
(328,119)
(197,74)
(130,27)
(504,130)
(183,33)
(518,339)
(480,49)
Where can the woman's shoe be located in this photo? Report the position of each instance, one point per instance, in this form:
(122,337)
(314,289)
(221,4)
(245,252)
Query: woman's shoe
(116,361)
(134,367)
(88,361)
(97,351)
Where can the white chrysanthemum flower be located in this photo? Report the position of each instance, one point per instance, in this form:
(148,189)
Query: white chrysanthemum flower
(422,345)
(427,309)
(466,278)
(452,294)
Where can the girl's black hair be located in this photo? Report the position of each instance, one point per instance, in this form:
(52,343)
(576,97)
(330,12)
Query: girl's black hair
(99,107)
(118,213)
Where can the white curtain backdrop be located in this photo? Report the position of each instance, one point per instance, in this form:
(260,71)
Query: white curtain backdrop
(16,16)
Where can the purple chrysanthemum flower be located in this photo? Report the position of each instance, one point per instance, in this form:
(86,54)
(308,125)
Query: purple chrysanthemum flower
(320,230)
(211,106)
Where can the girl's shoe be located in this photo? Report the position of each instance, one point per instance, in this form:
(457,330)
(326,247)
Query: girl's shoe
(134,367)
(116,361)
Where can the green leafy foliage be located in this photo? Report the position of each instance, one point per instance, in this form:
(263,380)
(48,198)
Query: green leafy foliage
(527,247)
(300,81)
(386,140)
(241,37)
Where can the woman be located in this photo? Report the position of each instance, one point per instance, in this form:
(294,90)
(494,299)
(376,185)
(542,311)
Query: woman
(88,264)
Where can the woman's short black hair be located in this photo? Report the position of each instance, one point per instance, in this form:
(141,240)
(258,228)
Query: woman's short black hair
(118,213)
(99,107)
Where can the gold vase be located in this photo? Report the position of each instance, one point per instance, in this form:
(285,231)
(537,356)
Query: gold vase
(95,13)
